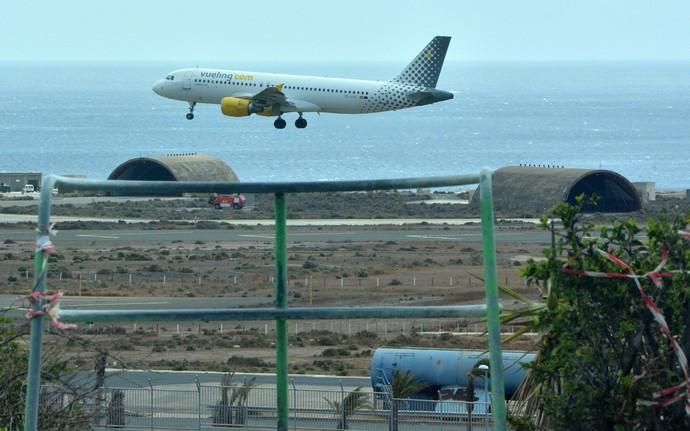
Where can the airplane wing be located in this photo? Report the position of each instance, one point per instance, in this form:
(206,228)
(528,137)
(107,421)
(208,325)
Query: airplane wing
(270,96)
(274,97)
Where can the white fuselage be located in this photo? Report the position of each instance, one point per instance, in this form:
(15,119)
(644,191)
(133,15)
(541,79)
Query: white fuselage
(241,94)
(307,93)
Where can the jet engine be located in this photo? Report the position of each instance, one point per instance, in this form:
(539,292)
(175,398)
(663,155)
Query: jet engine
(236,107)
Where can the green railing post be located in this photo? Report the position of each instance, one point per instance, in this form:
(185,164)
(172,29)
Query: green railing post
(33,385)
(281,303)
(33,380)
(498,403)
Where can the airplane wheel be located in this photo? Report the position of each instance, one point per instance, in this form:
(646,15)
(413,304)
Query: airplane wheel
(279,123)
(190,116)
(300,123)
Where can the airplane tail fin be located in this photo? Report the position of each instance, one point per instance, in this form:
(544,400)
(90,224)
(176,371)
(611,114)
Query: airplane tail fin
(426,66)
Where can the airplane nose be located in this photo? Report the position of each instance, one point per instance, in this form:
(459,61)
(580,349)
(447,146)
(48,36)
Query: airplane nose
(158,87)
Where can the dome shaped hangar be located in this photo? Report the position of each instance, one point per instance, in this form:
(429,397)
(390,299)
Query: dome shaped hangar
(182,167)
(535,190)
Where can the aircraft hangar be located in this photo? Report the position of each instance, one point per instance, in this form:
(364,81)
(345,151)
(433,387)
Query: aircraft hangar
(525,190)
(175,167)
(518,190)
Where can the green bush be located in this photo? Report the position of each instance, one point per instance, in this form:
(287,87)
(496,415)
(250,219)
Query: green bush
(333,352)
(602,354)
(328,340)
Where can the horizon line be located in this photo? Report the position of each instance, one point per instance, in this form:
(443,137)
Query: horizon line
(360,61)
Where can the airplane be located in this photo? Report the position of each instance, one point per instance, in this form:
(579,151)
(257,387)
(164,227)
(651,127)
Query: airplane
(241,93)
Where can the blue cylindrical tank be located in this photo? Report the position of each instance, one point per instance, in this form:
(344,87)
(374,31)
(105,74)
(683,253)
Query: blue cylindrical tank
(438,368)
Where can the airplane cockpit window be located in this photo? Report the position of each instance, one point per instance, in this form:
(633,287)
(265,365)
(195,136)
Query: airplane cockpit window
(170,77)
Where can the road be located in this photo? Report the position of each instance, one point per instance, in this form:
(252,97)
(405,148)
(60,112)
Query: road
(105,237)
(141,303)
(20,218)
(116,378)
(18,199)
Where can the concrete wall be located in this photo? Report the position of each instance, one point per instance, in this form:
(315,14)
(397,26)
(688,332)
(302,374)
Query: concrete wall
(646,190)
(17,180)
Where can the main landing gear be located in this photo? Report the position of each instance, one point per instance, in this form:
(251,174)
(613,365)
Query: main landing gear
(190,116)
(300,123)
(279,123)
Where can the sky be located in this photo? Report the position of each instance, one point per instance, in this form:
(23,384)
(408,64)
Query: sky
(352,30)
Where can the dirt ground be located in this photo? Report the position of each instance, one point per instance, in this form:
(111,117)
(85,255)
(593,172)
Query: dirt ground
(333,273)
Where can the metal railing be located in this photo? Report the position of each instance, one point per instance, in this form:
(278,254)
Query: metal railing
(281,313)
(206,407)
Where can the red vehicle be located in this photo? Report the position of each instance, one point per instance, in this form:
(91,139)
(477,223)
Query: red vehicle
(234,200)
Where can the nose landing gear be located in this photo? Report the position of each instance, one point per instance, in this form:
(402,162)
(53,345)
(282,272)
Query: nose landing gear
(190,116)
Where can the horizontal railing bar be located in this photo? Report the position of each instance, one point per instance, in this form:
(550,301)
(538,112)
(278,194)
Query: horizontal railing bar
(142,187)
(478,310)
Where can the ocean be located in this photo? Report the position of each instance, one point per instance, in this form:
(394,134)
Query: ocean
(632,118)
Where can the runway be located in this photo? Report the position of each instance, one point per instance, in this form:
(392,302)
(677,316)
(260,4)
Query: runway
(265,234)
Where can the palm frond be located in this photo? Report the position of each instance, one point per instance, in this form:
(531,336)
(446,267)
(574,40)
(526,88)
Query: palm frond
(354,401)
(513,294)
(405,384)
(243,391)
(521,313)
(335,405)
(517,334)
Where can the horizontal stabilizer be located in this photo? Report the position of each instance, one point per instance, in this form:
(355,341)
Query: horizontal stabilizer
(428,97)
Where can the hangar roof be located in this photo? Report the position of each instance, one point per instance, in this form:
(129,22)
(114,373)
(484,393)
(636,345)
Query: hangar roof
(182,167)
(186,167)
(538,189)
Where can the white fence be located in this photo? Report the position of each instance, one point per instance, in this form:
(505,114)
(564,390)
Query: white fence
(87,278)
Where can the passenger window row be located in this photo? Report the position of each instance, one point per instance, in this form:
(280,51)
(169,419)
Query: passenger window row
(288,87)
